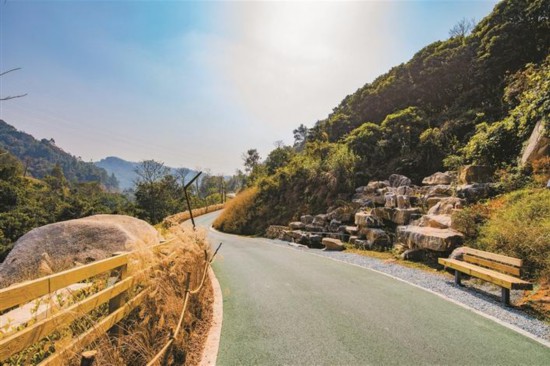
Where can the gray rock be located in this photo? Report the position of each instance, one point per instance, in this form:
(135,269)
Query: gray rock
(403,202)
(314,228)
(306,219)
(397,180)
(402,216)
(413,255)
(469,174)
(439,190)
(475,192)
(538,145)
(82,240)
(297,225)
(333,244)
(458,253)
(417,237)
(377,238)
(436,221)
(391,200)
(446,206)
(367,220)
(405,191)
(437,178)
(334,225)
(320,220)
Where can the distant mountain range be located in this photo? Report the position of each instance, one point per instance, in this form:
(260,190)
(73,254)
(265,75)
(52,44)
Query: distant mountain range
(125,171)
(39,157)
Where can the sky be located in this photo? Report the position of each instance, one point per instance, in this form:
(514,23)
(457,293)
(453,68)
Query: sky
(196,84)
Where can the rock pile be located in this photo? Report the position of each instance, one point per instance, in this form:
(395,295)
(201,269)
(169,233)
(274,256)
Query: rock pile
(396,214)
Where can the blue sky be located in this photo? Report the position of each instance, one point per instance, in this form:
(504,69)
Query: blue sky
(196,84)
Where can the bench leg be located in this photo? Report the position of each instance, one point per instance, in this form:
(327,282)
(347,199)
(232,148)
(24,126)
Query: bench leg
(457,278)
(505,296)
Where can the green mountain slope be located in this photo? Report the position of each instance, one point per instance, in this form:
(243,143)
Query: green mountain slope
(40,157)
(468,99)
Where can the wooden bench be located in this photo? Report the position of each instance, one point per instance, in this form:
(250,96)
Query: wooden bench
(496,268)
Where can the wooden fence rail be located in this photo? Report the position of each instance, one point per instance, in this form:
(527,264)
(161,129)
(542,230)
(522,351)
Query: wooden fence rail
(115,295)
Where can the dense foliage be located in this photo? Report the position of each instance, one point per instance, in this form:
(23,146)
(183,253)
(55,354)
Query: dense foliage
(473,98)
(26,203)
(40,157)
(520,227)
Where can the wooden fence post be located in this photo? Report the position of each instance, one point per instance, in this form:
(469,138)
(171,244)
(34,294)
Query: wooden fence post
(119,300)
(88,358)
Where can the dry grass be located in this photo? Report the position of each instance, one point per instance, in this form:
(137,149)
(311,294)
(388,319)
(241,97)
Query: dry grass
(148,328)
(237,214)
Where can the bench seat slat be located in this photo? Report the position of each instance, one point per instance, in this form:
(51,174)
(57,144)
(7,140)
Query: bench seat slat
(516,262)
(514,271)
(500,279)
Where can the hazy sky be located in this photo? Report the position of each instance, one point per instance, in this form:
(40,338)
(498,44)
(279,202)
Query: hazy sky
(196,84)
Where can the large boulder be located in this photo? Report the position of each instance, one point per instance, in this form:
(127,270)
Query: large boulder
(437,179)
(82,240)
(376,238)
(440,240)
(469,174)
(397,180)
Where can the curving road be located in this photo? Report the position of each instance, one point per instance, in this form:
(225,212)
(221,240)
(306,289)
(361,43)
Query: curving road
(283,306)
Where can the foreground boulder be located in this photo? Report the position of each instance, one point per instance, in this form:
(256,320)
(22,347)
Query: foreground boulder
(82,240)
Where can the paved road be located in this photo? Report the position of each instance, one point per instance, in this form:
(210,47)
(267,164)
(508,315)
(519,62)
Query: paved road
(283,306)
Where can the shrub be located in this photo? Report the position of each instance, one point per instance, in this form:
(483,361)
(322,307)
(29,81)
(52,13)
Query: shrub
(238,213)
(521,228)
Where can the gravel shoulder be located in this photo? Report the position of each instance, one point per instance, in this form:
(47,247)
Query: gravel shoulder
(482,298)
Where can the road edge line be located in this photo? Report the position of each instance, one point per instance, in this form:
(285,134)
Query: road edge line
(212,344)
(513,327)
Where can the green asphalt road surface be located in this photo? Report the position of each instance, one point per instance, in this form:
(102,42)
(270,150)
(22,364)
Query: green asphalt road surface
(284,306)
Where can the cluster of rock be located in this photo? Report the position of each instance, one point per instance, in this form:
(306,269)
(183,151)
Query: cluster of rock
(395,214)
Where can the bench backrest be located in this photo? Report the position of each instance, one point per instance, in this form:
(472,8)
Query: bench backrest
(498,262)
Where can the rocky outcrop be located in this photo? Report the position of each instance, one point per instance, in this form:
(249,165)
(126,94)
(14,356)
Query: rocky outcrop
(417,237)
(538,145)
(82,240)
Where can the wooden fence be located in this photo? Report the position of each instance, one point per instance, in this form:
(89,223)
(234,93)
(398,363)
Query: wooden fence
(115,295)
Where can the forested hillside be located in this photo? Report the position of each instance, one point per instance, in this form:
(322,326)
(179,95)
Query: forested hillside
(473,98)
(40,157)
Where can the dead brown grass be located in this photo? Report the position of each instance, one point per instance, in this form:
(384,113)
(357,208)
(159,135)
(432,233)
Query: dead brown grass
(235,217)
(146,330)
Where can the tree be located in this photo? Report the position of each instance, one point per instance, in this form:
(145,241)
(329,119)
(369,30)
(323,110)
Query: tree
(300,136)
(251,160)
(11,96)
(462,28)
(150,171)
